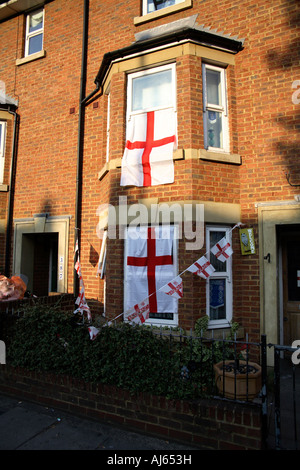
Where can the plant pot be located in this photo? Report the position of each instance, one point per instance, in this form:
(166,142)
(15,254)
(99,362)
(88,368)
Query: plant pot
(235,382)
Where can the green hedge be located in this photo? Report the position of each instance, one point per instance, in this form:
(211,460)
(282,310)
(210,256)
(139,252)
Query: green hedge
(48,339)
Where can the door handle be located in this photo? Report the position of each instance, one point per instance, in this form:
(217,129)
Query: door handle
(285,318)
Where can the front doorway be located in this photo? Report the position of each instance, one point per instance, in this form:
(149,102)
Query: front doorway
(40,262)
(41,253)
(290,253)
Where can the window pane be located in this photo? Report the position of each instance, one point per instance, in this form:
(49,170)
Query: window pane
(214,129)
(35,44)
(217,299)
(215,237)
(153,90)
(213,84)
(153,5)
(35,21)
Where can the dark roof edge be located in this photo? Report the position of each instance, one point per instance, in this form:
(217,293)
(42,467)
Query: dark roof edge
(8,107)
(206,38)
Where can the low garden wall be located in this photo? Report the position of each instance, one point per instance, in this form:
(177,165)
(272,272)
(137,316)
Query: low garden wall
(207,424)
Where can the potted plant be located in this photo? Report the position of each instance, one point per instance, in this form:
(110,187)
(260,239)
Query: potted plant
(238,379)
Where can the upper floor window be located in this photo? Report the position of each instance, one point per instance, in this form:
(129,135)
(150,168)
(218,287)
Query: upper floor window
(151,90)
(215,108)
(34,32)
(2,148)
(150,6)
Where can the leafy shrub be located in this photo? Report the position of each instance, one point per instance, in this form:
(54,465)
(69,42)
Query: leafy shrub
(47,338)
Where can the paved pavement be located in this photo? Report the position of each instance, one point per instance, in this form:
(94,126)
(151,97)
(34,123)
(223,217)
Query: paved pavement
(27,426)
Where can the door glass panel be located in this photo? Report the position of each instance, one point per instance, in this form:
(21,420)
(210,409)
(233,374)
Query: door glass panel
(293,265)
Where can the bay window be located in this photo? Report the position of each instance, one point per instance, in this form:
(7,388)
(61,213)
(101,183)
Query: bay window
(150,262)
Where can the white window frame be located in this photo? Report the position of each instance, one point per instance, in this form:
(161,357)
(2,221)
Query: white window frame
(2,149)
(145,6)
(108,127)
(223,109)
(155,321)
(226,274)
(29,35)
(150,71)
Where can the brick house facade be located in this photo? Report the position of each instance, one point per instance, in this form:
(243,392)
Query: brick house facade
(68,153)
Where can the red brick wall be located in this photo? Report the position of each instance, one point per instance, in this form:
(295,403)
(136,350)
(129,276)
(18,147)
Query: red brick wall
(209,424)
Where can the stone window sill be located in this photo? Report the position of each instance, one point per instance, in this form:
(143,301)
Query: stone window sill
(31,58)
(222,157)
(181,154)
(117,163)
(3,187)
(163,12)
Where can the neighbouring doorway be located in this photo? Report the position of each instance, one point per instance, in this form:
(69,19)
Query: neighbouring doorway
(40,262)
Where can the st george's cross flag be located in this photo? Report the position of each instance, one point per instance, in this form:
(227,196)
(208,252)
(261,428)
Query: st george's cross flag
(81,300)
(222,250)
(148,154)
(202,267)
(148,266)
(174,288)
(139,313)
(93,331)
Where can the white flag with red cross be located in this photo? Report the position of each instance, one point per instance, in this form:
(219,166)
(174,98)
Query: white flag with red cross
(93,331)
(174,288)
(149,265)
(148,154)
(222,250)
(139,313)
(202,267)
(81,300)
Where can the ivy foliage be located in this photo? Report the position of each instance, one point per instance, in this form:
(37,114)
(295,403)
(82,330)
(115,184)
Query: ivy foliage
(47,338)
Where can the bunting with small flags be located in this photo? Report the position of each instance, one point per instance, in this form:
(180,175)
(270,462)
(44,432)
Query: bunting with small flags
(202,267)
(174,288)
(222,250)
(139,313)
(81,300)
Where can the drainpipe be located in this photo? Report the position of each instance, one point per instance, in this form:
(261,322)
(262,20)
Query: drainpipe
(83,100)
(11,191)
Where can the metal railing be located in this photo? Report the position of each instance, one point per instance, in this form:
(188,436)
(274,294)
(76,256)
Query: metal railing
(285,399)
